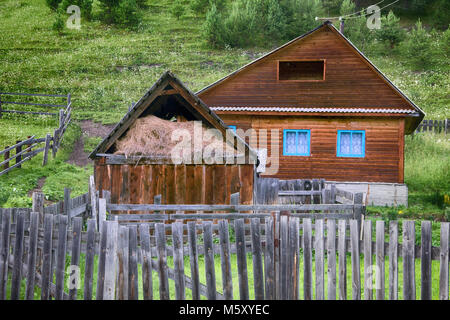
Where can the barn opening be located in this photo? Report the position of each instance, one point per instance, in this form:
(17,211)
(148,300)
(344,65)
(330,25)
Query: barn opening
(301,70)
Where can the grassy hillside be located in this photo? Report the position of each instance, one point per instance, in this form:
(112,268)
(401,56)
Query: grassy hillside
(106,69)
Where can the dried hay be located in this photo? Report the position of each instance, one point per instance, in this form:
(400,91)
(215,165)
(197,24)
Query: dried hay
(152,136)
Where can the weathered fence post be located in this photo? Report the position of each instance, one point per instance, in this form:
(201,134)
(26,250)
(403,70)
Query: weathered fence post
(76,250)
(356,279)
(93,201)
(90,253)
(7,153)
(307,259)
(342,248)
(331,256)
(225,259)
(32,248)
(368,263)
(193,261)
(393,260)
(147,283)
(4,251)
(123,263)
(269,267)
(409,281)
(48,138)
(61,256)
(110,261)
(101,212)
(426,261)
(178,260)
(258,282)
(47,257)
(241,258)
(18,251)
(379,251)
(133,288)
(18,150)
(164,293)
(209,260)
(358,211)
(294,259)
(319,257)
(67,202)
(333,194)
(444,252)
(282,285)
(55,143)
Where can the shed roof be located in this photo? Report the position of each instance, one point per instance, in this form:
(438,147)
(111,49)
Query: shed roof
(153,101)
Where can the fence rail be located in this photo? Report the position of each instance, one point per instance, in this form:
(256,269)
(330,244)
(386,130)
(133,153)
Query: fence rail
(49,142)
(436,126)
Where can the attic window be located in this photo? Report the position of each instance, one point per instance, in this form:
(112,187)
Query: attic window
(311,70)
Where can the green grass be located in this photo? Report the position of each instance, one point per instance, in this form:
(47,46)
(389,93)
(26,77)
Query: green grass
(106,69)
(217,265)
(90,143)
(15,186)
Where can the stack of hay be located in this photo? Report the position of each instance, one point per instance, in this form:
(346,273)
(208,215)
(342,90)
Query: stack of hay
(152,136)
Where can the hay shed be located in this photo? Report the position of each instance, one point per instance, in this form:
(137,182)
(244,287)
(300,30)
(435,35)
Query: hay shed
(136,161)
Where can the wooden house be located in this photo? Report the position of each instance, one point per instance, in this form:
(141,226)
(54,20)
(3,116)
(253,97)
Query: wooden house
(138,178)
(338,117)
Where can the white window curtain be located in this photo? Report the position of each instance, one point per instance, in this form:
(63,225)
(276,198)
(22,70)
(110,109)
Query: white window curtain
(290,142)
(345,142)
(302,143)
(357,143)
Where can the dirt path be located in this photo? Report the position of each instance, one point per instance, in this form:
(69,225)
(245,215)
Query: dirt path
(89,129)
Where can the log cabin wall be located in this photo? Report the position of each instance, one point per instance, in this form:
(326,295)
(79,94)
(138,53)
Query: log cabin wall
(384,145)
(177,184)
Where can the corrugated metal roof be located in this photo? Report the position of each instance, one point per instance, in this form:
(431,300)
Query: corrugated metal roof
(322,110)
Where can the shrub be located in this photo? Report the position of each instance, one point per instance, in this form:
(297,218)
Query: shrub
(85,7)
(257,22)
(120,12)
(59,23)
(199,6)
(441,13)
(177,9)
(127,14)
(390,31)
(202,6)
(331,6)
(213,27)
(53,4)
(355,28)
(417,47)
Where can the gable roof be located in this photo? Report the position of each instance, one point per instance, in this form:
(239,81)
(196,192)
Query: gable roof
(167,85)
(415,114)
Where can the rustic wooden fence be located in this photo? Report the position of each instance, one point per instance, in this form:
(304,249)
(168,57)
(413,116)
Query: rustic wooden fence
(284,255)
(436,126)
(299,191)
(27,149)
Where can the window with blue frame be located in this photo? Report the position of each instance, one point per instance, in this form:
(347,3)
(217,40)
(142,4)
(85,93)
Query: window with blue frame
(296,142)
(351,143)
(232,128)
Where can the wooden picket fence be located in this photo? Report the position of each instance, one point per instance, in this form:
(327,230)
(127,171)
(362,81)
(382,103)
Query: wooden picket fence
(436,126)
(27,149)
(300,191)
(283,248)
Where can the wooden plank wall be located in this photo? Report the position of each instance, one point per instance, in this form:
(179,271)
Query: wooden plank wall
(177,184)
(349,81)
(383,161)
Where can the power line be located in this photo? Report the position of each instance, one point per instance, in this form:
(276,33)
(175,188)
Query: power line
(363,15)
(350,15)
